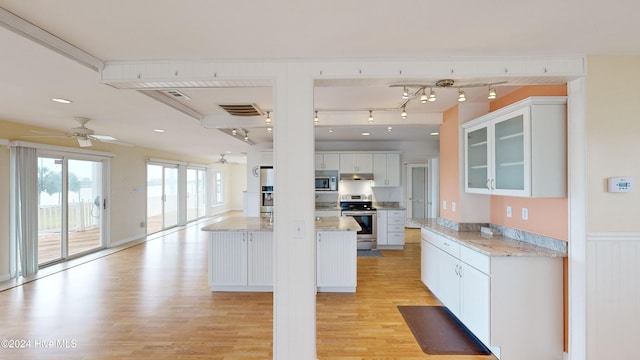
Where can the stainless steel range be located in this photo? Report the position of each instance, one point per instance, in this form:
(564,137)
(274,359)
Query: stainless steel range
(359,207)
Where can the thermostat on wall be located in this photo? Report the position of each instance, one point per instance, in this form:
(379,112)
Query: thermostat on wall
(619,184)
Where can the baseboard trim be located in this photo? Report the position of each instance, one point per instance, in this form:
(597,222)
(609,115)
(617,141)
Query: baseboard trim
(5,277)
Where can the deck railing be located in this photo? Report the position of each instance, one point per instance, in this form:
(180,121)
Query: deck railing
(82,216)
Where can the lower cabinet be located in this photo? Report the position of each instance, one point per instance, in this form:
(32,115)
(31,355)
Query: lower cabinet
(336,261)
(390,229)
(241,260)
(513,304)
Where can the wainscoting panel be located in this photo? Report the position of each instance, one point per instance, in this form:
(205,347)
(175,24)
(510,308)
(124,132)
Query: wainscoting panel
(613,295)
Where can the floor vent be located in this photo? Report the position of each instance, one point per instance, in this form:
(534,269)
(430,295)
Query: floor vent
(242,109)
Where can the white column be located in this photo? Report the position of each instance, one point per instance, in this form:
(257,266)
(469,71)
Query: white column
(294,308)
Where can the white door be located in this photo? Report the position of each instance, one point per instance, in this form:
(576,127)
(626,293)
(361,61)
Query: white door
(417,193)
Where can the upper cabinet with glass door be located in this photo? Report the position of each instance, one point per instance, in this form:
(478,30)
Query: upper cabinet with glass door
(519,150)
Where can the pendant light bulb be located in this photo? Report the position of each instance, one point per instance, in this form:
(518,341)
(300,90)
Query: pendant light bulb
(405,93)
(316,120)
(404,113)
(370,116)
(424,98)
(492,94)
(432,95)
(268,119)
(461,96)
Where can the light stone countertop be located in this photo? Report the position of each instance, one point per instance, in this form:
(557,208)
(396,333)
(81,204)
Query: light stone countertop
(329,223)
(488,245)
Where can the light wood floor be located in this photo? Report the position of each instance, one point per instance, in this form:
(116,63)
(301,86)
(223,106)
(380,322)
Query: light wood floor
(152,301)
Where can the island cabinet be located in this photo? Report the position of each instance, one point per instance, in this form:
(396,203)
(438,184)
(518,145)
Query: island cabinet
(386,169)
(513,304)
(336,261)
(519,150)
(241,260)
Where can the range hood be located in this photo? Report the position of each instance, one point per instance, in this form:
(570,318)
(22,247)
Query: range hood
(354,176)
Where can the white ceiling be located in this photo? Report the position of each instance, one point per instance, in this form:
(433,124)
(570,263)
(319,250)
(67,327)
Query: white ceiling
(202,29)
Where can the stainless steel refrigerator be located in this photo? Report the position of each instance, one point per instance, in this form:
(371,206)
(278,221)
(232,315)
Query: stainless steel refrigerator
(267,194)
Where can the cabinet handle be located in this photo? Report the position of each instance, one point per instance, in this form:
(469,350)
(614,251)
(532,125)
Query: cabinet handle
(457,273)
(487,184)
(250,237)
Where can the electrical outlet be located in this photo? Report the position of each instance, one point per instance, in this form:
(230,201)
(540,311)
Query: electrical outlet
(509,212)
(525,214)
(453,206)
(444,204)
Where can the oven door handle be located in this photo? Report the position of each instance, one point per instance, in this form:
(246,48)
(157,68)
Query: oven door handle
(358,213)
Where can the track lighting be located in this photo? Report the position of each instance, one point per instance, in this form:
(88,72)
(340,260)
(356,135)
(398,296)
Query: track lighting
(432,95)
(246,135)
(234,132)
(403,115)
(492,93)
(269,130)
(461,96)
(389,129)
(268,119)
(370,116)
(405,93)
(424,98)
(316,120)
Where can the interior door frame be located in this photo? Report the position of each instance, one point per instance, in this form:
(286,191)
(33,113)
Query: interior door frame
(409,191)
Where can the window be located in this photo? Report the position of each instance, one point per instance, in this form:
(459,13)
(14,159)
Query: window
(217,193)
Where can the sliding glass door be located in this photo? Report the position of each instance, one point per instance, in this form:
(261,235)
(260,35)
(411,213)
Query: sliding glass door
(195,194)
(162,197)
(70,207)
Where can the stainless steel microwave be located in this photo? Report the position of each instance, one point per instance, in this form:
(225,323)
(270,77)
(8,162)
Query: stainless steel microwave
(326,183)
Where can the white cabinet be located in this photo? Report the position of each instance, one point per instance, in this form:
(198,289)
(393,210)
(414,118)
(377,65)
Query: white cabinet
(241,260)
(513,304)
(327,161)
(336,253)
(356,163)
(519,150)
(266,158)
(390,228)
(386,169)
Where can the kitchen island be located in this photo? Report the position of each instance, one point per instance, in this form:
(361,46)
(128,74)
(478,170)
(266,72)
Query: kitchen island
(240,251)
(509,293)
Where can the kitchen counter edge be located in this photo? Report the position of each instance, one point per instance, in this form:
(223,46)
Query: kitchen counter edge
(328,223)
(488,245)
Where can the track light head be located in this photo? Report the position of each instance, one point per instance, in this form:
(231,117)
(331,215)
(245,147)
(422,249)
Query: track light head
(403,115)
(461,96)
(268,119)
(405,93)
(370,116)
(492,94)
(424,98)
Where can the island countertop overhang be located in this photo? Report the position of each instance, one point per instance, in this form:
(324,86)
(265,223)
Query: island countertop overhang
(329,223)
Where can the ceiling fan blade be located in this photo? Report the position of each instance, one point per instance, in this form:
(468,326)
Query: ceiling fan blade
(116,142)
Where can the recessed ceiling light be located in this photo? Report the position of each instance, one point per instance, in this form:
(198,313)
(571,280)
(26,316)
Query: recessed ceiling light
(365,134)
(158,130)
(434,133)
(61,100)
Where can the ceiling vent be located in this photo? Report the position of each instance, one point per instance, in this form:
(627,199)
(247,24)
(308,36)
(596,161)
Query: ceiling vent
(242,109)
(177,94)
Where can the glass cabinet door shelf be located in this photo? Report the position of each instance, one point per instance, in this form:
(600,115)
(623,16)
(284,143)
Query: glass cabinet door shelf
(519,150)
(477,155)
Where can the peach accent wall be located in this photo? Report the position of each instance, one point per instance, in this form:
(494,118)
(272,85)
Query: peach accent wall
(548,217)
(449,158)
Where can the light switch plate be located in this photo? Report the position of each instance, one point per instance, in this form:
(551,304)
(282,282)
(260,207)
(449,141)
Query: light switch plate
(509,212)
(525,214)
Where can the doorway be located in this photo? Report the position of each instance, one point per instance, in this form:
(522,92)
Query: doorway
(162,197)
(70,207)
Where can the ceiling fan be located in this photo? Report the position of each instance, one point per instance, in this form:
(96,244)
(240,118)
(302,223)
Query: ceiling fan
(83,134)
(222,160)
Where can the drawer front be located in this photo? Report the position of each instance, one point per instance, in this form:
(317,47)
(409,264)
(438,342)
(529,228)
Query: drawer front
(395,239)
(429,236)
(395,221)
(398,214)
(449,246)
(478,260)
(395,228)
